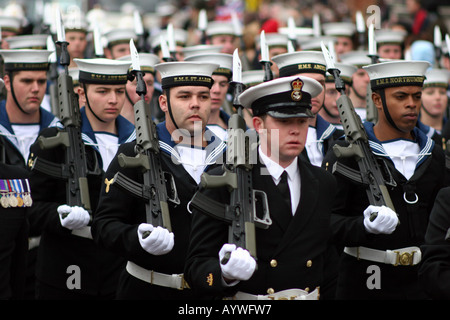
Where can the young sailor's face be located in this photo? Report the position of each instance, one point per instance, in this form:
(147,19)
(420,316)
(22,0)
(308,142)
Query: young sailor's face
(29,88)
(105,100)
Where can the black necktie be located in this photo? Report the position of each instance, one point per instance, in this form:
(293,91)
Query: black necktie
(283,186)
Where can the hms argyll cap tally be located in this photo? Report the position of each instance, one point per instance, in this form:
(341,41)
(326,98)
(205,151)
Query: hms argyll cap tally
(186,73)
(397,73)
(103,71)
(286,97)
(300,62)
(25,59)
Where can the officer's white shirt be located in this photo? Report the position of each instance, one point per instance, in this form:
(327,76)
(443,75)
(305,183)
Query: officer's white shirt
(25,134)
(107,144)
(275,170)
(313,147)
(404,154)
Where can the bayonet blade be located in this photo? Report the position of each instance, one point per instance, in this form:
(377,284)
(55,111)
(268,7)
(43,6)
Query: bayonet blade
(135,63)
(236,24)
(372,41)
(61,35)
(264,47)
(202,20)
(329,59)
(237,67)
(138,27)
(437,37)
(360,26)
(164,47)
(291,28)
(317,30)
(447,41)
(171,38)
(98,45)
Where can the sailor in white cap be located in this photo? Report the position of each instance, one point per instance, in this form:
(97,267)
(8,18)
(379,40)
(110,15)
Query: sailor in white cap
(222,33)
(390,43)
(65,230)
(434,103)
(321,133)
(299,197)
(330,110)
(118,42)
(360,80)
(416,167)
(344,33)
(76,31)
(180,39)
(22,116)
(10,26)
(28,41)
(220,106)
(148,62)
(155,265)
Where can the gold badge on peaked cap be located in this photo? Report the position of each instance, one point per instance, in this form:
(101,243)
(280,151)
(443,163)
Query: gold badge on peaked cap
(297,86)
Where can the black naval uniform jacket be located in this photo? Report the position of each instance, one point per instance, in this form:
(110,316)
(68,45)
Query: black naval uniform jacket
(397,282)
(13,241)
(59,249)
(292,253)
(119,215)
(434,271)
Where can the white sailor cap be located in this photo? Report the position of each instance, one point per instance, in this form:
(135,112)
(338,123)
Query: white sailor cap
(148,61)
(186,73)
(117,36)
(103,71)
(201,49)
(224,60)
(75,21)
(274,39)
(75,74)
(252,77)
(25,59)
(180,37)
(388,36)
(346,72)
(300,62)
(356,58)
(339,29)
(9,23)
(298,31)
(286,97)
(216,28)
(314,43)
(437,78)
(29,41)
(397,73)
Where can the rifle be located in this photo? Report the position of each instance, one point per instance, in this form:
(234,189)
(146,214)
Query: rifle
(372,112)
(74,171)
(154,189)
(370,175)
(240,213)
(265,60)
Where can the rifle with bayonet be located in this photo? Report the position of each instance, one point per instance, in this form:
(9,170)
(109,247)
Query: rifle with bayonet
(374,175)
(140,32)
(154,190)
(372,112)
(202,24)
(74,171)
(360,28)
(437,45)
(265,59)
(240,213)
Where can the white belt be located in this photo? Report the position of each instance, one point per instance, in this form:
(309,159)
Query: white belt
(290,294)
(405,257)
(175,281)
(83,232)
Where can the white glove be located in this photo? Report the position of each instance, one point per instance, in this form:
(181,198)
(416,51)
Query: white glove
(73,217)
(240,265)
(385,222)
(157,241)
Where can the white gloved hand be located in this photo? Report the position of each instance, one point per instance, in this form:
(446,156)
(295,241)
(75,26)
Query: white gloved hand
(385,222)
(156,241)
(73,217)
(240,265)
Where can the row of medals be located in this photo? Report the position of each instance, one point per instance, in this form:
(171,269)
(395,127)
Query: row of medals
(16,200)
